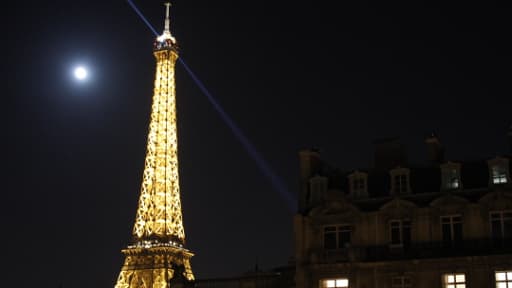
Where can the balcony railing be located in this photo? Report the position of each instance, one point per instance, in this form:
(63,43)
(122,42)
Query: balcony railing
(412,251)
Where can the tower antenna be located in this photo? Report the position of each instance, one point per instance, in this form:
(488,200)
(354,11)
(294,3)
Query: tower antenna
(167,20)
(166,35)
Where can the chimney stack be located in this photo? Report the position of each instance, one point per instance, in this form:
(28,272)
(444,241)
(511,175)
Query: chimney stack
(310,164)
(435,150)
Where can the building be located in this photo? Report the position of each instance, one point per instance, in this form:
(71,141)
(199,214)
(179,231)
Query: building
(275,278)
(443,224)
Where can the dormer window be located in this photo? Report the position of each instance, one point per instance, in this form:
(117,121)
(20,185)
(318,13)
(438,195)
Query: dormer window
(358,182)
(400,181)
(450,176)
(498,175)
(498,171)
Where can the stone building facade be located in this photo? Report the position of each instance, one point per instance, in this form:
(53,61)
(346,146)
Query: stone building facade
(278,277)
(443,224)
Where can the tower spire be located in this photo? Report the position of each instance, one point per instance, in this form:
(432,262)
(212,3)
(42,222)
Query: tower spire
(166,35)
(157,256)
(167,21)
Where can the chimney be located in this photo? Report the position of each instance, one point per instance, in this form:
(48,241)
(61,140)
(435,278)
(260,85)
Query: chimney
(435,150)
(310,164)
(389,153)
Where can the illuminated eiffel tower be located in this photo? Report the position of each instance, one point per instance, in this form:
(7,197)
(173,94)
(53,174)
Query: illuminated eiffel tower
(157,257)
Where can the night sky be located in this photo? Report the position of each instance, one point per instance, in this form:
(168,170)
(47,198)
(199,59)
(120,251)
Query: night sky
(334,75)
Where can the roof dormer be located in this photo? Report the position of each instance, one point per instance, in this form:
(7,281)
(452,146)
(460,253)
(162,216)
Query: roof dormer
(358,184)
(400,181)
(450,176)
(498,171)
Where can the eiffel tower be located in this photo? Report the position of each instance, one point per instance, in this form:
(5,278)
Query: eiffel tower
(157,257)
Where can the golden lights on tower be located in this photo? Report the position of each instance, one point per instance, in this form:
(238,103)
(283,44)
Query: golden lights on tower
(157,256)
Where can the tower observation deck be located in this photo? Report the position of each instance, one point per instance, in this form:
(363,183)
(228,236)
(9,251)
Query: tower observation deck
(157,256)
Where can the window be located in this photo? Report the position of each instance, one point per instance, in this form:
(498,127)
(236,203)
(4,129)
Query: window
(499,175)
(503,279)
(453,183)
(400,184)
(400,180)
(501,225)
(498,170)
(457,280)
(334,283)
(336,237)
(401,282)
(400,232)
(358,184)
(451,227)
(450,176)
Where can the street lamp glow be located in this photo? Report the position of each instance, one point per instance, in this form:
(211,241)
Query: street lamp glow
(80,73)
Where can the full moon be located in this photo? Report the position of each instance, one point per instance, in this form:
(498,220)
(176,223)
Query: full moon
(80,73)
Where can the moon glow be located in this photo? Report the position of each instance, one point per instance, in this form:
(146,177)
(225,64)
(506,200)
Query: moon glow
(80,73)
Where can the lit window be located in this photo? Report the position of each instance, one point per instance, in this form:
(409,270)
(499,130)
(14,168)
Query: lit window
(503,279)
(450,176)
(499,175)
(451,227)
(336,237)
(498,170)
(334,283)
(454,183)
(454,280)
(400,232)
(501,225)
(401,282)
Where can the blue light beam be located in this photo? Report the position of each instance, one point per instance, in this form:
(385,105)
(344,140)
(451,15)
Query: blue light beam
(142,17)
(276,181)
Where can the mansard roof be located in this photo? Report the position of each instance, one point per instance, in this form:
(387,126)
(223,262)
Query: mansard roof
(425,182)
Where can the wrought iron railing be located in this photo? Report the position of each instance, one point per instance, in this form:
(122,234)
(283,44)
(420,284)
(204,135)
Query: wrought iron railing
(412,251)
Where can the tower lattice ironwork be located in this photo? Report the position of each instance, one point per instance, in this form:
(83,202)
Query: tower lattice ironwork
(157,257)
